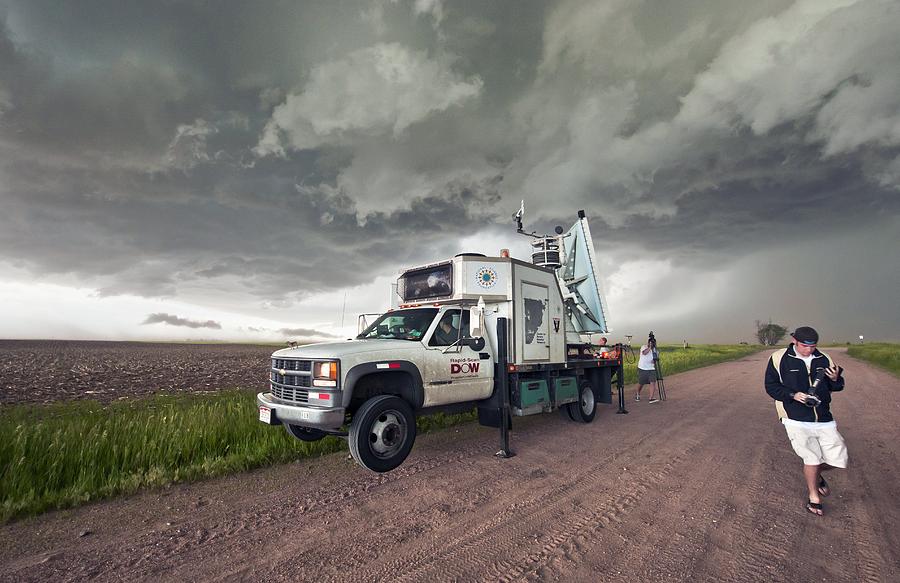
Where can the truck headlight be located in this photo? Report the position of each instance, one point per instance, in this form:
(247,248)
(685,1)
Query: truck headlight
(325,374)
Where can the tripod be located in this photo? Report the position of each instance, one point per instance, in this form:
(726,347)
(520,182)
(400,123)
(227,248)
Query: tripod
(660,383)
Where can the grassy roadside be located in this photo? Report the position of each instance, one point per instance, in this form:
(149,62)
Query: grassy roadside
(66,454)
(882,354)
(675,359)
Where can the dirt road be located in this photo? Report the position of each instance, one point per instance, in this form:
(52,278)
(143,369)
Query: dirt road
(701,487)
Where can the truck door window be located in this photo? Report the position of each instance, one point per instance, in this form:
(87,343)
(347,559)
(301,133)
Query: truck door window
(449,328)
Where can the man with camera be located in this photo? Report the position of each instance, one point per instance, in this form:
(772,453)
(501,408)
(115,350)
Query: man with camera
(801,379)
(647,369)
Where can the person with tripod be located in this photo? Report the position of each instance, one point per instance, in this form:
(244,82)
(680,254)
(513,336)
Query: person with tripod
(801,379)
(647,369)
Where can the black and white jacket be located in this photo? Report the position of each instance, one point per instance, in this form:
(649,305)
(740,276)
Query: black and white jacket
(787,374)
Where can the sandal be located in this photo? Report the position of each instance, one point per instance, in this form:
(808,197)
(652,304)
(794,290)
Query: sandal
(814,508)
(823,488)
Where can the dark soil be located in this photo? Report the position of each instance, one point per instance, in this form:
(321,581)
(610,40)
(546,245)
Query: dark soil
(44,371)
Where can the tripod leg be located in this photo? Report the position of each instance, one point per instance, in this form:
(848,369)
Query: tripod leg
(660,383)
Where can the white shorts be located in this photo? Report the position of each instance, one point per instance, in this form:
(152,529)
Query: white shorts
(818,445)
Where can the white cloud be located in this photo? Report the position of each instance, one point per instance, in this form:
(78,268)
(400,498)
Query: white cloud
(188,147)
(890,176)
(377,91)
(435,8)
(827,66)
(839,55)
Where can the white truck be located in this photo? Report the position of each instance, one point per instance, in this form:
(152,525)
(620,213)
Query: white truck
(506,336)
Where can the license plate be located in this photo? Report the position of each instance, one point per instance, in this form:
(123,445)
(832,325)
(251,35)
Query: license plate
(265,415)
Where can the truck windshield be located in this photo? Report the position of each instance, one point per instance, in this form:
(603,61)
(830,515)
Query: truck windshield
(402,325)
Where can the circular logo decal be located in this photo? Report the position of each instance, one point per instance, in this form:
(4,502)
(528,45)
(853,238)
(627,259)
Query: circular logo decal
(486,277)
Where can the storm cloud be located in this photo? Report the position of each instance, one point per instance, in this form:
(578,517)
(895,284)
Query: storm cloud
(305,333)
(268,160)
(177,321)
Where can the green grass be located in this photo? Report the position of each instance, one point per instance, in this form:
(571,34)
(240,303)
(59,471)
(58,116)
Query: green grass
(65,454)
(883,354)
(675,359)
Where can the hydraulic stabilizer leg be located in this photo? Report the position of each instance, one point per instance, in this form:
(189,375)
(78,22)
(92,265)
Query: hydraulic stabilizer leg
(503,385)
(620,384)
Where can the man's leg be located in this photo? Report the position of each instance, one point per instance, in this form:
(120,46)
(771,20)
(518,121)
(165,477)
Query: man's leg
(637,396)
(826,489)
(811,473)
(653,391)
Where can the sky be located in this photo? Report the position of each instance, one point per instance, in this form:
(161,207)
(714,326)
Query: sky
(262,171)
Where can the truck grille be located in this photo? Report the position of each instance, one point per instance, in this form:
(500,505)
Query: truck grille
(290,394)
(288,364)
(289,378)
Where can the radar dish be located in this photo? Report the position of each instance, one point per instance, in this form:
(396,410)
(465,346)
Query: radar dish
(584,302)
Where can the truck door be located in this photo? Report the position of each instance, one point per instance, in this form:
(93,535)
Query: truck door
(455,373)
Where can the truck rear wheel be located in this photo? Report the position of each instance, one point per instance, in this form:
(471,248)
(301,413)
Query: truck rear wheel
(304,433)
(585,408)
(382,433)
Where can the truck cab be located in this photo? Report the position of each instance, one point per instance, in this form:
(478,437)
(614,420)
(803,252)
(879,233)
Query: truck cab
(417,359)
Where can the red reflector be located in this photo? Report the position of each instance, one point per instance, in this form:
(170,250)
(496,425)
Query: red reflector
(325,396)
(512,368)
(394,365)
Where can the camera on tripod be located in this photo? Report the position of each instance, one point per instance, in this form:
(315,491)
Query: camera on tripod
(651,341)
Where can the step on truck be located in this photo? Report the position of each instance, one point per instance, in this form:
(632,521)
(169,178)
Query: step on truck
(505,336)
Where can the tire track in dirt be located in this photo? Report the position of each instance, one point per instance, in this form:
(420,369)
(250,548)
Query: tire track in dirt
(261,517)
(422,553)
(685,492)
(866,512)
(538,509)
(753,546)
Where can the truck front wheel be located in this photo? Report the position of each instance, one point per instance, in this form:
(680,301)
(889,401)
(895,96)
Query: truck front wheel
(585,408)
(382,433)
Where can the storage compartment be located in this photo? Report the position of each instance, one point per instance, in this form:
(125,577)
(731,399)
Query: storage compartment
(565,390)
(531,396)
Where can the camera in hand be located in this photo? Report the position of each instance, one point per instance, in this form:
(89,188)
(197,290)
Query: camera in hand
(811,399)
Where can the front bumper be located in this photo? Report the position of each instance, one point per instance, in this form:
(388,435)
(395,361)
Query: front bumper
(324,418)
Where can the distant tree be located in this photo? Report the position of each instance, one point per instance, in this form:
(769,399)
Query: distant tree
(770,334)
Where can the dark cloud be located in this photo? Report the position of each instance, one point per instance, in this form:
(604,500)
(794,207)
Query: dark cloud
(305,333)
(700,133)
(177,321)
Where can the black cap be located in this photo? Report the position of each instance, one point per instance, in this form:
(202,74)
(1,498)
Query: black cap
(806,335)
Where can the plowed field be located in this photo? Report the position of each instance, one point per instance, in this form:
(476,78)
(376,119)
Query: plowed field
(43,371)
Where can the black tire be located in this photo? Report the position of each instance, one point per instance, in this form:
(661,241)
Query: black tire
(382,433)
(304,433)
(585,408)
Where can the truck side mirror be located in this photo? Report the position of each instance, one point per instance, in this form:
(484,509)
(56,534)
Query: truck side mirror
(476,344)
